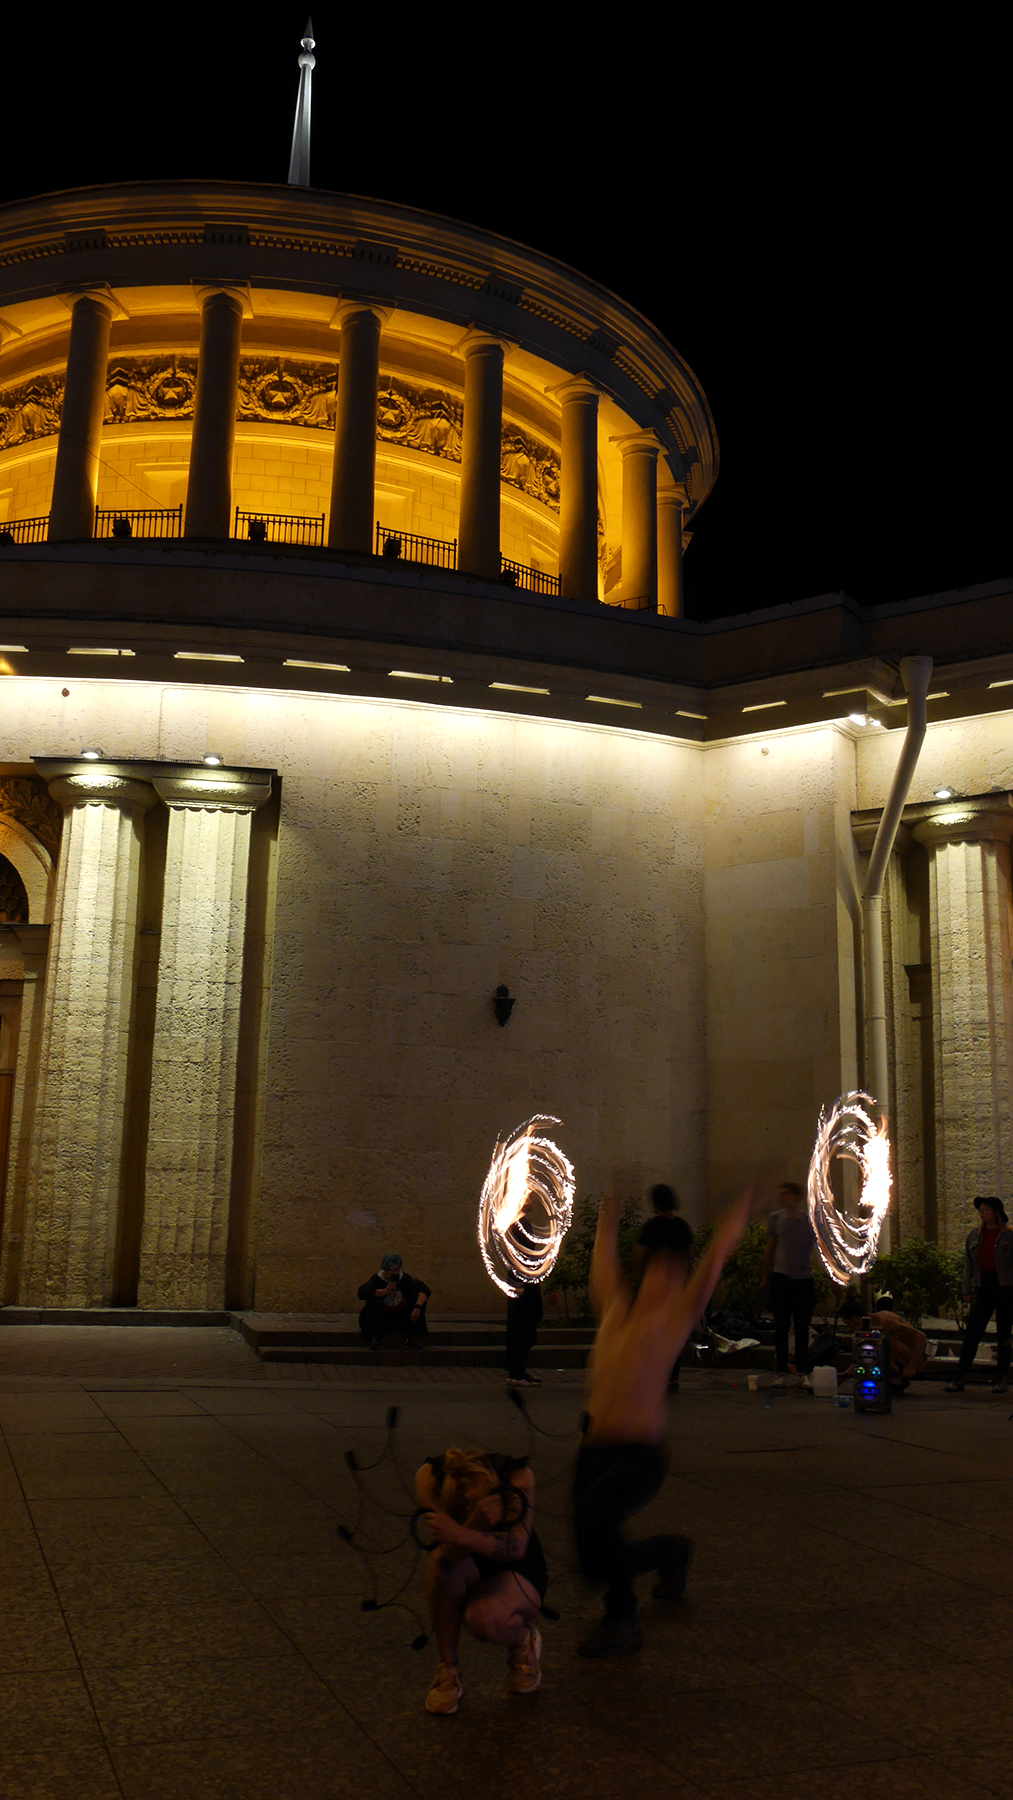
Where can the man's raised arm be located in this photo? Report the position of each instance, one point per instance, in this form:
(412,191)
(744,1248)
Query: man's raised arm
(605,1272)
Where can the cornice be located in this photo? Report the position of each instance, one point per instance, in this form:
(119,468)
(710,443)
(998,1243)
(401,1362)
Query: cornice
(156,233)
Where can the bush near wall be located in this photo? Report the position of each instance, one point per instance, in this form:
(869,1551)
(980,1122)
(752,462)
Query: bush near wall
(922,1279)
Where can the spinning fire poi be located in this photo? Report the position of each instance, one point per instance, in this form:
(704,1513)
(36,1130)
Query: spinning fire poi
(847,1242)
(526,1207)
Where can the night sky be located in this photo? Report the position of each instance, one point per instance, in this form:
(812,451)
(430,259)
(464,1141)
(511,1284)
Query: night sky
(814,210)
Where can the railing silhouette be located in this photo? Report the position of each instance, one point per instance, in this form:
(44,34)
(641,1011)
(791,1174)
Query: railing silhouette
(517,574)
(408,546)
(24,531)
(279,528)
(139,522)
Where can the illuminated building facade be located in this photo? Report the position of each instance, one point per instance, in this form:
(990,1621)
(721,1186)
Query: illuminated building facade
(344,680)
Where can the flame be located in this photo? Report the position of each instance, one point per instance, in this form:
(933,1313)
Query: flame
(847,1245)
(525,1166)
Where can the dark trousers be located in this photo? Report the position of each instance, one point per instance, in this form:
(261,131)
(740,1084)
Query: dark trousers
(610,1482)
(523,1317)
(989,1298)
(791,1303)
(376,1320)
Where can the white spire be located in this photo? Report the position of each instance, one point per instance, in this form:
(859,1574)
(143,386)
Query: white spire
(299,161)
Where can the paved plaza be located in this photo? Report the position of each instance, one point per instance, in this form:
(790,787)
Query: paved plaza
(180,1618)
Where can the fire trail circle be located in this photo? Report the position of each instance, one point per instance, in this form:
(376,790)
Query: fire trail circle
(847,1243)
(526,1207)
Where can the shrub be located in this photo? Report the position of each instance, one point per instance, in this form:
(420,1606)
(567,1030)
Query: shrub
(573,1269)
(922,1277)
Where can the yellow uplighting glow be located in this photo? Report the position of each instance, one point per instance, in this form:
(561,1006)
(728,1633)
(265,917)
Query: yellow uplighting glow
(418,675)
(764,705)
(295,662)
(206,656)
(90,650)
(610,700)
(514,687)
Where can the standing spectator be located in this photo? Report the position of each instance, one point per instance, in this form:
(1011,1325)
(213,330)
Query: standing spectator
(988,1274)
(787,1266)
(666,1231)
(524,1313)
(393,1302)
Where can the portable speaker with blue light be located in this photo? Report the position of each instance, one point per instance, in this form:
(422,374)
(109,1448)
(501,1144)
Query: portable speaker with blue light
(871,1392)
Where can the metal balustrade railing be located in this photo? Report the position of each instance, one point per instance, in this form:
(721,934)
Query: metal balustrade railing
(517,574)
(279,528)
(24,531)
(641,603)
(139,522)
(408,546)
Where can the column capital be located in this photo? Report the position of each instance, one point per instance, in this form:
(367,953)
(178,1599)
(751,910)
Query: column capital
(673,493)
(638,442)
(99,784)
(239,291)
(962,823)
(353,304)
(98,291)
(477,338)
(9,331)
(197,791)
(574,387)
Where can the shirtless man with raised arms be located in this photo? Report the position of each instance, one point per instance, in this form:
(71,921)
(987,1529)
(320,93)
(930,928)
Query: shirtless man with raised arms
(620,1465)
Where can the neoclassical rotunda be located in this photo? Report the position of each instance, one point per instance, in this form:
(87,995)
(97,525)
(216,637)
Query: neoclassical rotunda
(344,680)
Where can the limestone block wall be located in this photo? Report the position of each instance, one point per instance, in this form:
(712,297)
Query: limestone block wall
(781,903)
(423,857)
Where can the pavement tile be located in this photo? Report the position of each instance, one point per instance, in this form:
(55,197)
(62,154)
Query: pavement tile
(113,1530)
(314,1765)
(92,1586)
(64,1772)
(206,1697)
(169,1630)
(79,1466)
(44,1710)
(902,1778)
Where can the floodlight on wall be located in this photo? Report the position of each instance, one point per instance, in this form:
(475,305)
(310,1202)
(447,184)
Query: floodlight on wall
(92,755)
(213,759)
(944,793)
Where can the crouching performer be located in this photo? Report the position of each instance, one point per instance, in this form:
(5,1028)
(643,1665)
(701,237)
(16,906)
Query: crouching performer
(620,1465)
(486,1569)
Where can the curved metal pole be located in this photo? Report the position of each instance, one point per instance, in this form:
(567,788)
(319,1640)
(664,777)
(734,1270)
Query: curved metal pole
(916,672)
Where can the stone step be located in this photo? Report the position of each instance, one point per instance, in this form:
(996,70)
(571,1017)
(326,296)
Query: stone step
(438,1356)
(108,1315)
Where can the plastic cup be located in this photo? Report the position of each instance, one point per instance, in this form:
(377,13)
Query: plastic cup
(754,1382)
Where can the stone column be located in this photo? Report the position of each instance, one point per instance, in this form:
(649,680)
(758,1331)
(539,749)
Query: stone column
(640,451)
(33,941)
(972,1004)
(478,550)
(75,478)
(671,512)
(353,480)
(578,488)
(209,486)
(73,1185)
(188,1173)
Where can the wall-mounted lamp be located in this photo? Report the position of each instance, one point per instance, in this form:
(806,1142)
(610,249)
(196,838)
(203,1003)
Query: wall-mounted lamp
(503,1003)
(944,793)
(213,759)
(92,755)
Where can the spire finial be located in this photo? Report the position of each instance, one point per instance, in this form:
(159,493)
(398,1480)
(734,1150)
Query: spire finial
(299,161)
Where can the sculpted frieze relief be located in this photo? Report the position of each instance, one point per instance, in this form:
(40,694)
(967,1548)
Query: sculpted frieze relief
(30,410)
(29,803)
(285,391)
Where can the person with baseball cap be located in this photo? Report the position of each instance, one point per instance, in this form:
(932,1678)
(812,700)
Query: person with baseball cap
(988,1275)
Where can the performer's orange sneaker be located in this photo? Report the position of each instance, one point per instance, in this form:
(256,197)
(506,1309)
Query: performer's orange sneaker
(446,1690)
(525,1663)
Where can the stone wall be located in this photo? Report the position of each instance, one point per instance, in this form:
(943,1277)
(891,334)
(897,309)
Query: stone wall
(423,857)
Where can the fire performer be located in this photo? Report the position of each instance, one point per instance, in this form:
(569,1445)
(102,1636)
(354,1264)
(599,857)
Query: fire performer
(620,1465)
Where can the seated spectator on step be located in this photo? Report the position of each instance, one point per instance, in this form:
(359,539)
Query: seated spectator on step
(908,1346)
(394,1302)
